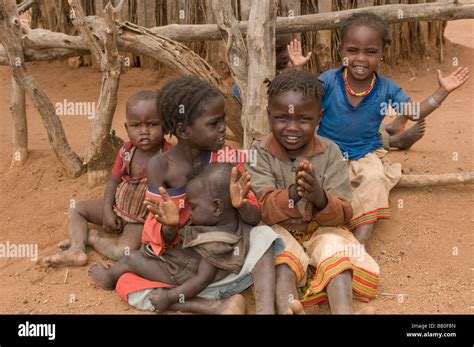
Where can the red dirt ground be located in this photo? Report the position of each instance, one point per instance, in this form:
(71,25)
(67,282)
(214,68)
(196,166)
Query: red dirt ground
(424,252)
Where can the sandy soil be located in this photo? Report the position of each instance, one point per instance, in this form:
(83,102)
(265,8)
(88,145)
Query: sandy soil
(424,252)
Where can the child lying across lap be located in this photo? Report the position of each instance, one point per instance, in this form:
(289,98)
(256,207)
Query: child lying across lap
(122,209)
(213,244)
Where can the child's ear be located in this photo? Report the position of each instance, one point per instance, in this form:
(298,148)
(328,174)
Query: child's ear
(182,131)
(217,207)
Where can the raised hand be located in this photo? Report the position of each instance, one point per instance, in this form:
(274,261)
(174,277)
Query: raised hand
(239,188)
(296,54)
(166,212)
(454,80)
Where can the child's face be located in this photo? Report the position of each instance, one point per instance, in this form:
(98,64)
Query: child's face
(293,120)
(282,56)
(143,125)
(203,209)
(207,131)
(362,48)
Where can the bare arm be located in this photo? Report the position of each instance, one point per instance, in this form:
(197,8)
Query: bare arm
(446,85)
(110,221)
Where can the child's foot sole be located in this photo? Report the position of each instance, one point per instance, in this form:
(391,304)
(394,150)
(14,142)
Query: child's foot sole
(69,257)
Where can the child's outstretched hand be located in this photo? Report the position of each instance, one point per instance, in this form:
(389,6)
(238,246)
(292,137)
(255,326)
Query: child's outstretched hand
(296,54)
(239,188)
(166,212)
(454,80)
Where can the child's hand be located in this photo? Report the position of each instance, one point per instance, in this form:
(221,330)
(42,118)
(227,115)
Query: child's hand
(166,212)
(159,299)
(454,80)
(111,221)
(296,54)
(239,188)
(306,183)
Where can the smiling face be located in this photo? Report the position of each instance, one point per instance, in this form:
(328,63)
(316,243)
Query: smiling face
(207,131)
(363,47)
(143,125)
(294,118)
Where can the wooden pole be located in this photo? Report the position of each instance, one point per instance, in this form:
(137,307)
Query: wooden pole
(418,181)
(101,149)
(14,51)
(261,52)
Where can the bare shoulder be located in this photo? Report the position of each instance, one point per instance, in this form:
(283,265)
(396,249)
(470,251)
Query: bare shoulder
(157,169)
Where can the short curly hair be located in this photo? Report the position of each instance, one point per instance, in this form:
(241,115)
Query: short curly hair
(181,100)
(296,80)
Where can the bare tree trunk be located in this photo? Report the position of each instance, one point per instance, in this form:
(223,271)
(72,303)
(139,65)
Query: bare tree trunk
(244,10)
(261,50)
(236,51)
(20,126)
(216,51)
(146,17)
(324,40)
(101,150)
(417,181)
(13,48)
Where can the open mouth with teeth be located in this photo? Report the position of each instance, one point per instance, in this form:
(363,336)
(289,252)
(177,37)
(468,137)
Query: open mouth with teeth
(291,138)
(360,70)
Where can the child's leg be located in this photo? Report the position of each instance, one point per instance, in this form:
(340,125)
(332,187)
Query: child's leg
(83,213)
(409,137)
(286,292)
(137,263)
(339,291)
(232,305)
(264,280)
(363,232)
(116,248)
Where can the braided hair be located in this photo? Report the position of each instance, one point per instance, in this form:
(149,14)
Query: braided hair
(298,81)
(181,100)
(366,19)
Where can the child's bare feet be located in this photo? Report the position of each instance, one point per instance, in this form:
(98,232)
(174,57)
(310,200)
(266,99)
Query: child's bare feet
(64,244)
(396,126)
(409,137)
(98,273)
(233,305)
(286,295)
(69,257)
(294,307)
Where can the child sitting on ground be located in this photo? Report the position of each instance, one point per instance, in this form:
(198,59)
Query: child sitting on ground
(213,244)
(393,134)
(355,102)
(122,209)
(304,191)
(193,110)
